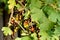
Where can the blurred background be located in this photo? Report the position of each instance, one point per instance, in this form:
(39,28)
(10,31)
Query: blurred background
(3,16)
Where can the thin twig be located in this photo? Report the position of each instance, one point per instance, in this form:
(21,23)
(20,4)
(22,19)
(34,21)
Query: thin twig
(21,27)
(10,16)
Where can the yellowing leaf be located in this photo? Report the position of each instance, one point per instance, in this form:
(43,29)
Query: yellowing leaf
(11,4)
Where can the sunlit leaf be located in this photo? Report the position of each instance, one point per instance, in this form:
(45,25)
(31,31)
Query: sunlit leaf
(11,4)
(18,38)
(26,38)
(6,31)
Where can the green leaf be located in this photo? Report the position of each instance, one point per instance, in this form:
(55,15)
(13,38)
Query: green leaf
(18,6)
(25,38)
(18,38)
(53,14)
(27,14)
(46,25)
(58,3)
(11,4)
(38,15)
(49,1)
(47,9)
(57,31)
(45,30)
(45,35)
(5,1)
(58,17)
(35,3)
(28,1)
(6,31)
(35,13)
(34,36)
(55,37)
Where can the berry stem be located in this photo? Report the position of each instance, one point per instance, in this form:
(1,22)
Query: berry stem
(10,17)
